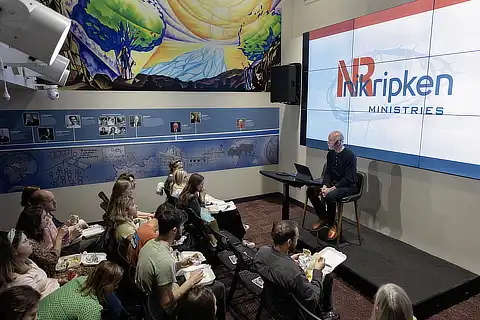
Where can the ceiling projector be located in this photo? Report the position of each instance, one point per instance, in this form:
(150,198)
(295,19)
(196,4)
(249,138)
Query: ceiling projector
(33,28)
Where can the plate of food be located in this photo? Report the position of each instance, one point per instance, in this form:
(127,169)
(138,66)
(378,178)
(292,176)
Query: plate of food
(71,261)
(208,274)
(196,256)
(91,259)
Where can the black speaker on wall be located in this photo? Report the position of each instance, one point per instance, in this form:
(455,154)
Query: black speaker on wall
(285,86)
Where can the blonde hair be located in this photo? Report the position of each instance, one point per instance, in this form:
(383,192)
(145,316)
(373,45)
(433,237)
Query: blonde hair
(392,303)
(180,178)
(120,189)
(118,209)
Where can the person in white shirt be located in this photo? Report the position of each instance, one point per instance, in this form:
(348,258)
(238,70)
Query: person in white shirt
(17,269)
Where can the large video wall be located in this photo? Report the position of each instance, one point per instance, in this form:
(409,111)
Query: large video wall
(401,84)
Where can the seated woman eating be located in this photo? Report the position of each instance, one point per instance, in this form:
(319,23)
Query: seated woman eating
(86,297)
(46,239)
(17,269)
(193,197)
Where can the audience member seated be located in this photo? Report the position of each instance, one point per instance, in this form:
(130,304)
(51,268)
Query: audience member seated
(173,165)
(145,233)
(193,197)
(284,277)
(19,303)
(34,224)
(47,200)
(179,181)
(122,213)
(392,303)
(130,178)
(199,303)
(72,242)
(17,269)
(156,268)
(85,297)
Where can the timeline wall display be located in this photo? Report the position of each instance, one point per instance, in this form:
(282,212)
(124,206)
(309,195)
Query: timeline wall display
(58,148)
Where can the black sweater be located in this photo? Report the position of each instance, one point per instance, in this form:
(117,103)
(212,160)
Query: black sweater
(286,277)
(341,170)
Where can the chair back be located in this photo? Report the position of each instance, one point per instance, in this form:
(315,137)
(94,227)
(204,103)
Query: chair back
(360,182)
(302,312)
(122,249)
(127,291)
(267,300)
(198,230)
(153,310)
(323,170)
(105,201)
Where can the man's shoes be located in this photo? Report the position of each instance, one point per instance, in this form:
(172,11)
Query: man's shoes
(330,315)
(318,225)
(332,233)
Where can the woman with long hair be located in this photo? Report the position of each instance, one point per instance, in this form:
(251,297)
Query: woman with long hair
(17,269)
(85,297)
(34,222)
(392,303)
(193,197)
(130,178)
(199,303)
(173,166)
(19,303)
(122,213)
(179,181)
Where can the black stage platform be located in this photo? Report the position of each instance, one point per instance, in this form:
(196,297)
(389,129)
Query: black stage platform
(433,284)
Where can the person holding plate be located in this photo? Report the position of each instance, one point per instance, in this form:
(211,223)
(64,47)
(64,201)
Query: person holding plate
(284,277)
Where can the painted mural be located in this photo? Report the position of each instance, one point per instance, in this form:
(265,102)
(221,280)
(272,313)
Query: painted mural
(191,45)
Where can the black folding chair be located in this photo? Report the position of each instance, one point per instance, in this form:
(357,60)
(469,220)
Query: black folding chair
(302,311)
(105,200)
(200,231)
(131,296)
(244,271)
(153,310)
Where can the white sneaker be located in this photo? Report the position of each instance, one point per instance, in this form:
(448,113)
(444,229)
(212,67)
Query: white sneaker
(249,244)
(246,227)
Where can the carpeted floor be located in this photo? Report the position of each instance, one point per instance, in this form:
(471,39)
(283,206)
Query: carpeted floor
(351,305)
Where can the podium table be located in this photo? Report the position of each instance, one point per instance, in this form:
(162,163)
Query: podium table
(288,180)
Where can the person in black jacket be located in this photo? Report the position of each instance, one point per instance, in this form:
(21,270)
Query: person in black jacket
(339,181)
(283,276)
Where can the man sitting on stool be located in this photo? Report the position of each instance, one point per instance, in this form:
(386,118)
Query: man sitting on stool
(339,181)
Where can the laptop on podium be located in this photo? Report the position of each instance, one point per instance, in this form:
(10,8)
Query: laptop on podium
(304,174)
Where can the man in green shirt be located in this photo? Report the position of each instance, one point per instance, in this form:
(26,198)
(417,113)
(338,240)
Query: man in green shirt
(156,268)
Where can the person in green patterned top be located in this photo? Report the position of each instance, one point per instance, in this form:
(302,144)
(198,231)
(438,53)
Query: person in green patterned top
(84,298)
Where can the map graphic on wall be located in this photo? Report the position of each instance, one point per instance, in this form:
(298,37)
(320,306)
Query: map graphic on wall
(59,148)
(181,45)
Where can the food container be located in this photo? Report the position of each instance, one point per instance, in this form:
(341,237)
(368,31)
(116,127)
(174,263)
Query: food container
(91,259)
(208,274)
(66,262)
